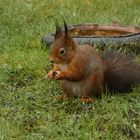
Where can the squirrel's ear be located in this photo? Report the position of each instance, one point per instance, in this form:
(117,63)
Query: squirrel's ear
(58,30)
(66,29)
(68,39)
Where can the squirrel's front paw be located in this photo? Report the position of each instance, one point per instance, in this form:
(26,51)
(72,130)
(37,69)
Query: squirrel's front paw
(52,74)
(55,75)
(58,76)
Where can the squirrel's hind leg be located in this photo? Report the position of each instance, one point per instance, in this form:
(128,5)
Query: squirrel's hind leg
(94,88)
(86,99)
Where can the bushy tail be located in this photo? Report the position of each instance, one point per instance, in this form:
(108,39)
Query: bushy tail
(120,71)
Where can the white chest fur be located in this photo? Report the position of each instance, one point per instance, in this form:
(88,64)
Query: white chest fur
(62,66)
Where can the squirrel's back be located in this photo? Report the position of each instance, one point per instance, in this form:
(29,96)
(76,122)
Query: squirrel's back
(90,57)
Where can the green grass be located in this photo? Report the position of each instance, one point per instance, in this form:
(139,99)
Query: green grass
(27,108)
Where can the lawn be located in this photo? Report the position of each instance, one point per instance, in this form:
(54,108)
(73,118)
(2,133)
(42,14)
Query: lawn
(28,110)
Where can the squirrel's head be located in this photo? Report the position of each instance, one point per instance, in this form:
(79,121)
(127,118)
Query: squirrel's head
(63,46)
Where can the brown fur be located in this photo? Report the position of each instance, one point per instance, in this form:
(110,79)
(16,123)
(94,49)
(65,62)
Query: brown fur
(120,71)
(81,70)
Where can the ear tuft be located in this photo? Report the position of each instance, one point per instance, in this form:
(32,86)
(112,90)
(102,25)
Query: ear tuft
(58,29)
(66,29)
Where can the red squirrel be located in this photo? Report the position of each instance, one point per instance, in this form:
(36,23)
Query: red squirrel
(84,73)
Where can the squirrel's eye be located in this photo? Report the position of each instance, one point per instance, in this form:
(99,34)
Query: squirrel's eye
(61,51)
